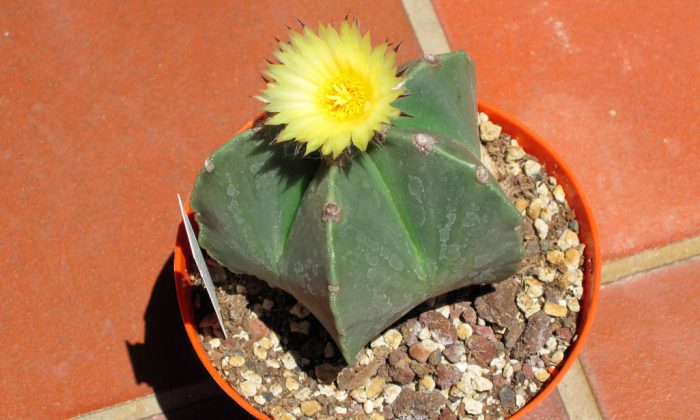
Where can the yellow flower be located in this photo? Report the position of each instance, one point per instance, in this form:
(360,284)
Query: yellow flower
(333,89)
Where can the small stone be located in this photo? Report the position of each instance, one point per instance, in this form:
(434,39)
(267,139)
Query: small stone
(421,351)
(444,311)
(555,257)
(368,407)
(527,305)
(514,154)
(236,361)
(535,208)
(567,240)
(424,334)
(393,338)
(299,311)
(555,310)
(442,331)
(546,274)
(549,211)
(485,331)
(276,389)
(572,258)
(259,399)
(473,407)
(454,352)
(573,304)
(378,342)
(531,168)
(288,361)
(469,315)
(481,348)
(257,328)
(506,396)
(446,376)
(355,377)
(375,387)
(519,400)
(265,343)
(464,331)
(291,384)
(248,388)
(391,392)
(521,204)
(427,383)
(533,288)
(557,357)
(558,194)
(483,384)
(411,404)
(260,353)
(483,117)
(358,395)
(564,334)
(435,357)
(410,330)
(326,373)
(329,350)
(542,228)
(267,304)
(399,368)
(499,306)
(535,335)
(341,410)
(489,131)
(310,408)
(567,279)
(215,343)
(541,375)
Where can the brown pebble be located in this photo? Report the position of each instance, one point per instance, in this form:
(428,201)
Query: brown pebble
(469,316)
(442,330)
(256,328)
(353,377)
(454,352)
(435,357)
(410,330)
(481,348)
(326,373)
(485,331)
(420,352)
(446,376)
(412,404)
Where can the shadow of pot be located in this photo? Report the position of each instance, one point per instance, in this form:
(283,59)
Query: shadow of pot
(588,235)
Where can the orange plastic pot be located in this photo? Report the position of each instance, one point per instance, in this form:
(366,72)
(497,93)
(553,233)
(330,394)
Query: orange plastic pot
(588,235)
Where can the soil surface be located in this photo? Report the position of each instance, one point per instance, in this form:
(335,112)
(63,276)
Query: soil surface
(477,352)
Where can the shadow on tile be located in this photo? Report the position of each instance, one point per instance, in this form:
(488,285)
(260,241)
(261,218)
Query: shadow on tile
(166,361)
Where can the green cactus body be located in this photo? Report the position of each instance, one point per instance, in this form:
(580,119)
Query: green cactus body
(363,244)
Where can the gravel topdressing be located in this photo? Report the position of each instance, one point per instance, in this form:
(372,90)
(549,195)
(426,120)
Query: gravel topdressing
(477,352)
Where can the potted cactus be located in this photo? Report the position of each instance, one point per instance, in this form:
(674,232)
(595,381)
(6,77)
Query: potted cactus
(364,191)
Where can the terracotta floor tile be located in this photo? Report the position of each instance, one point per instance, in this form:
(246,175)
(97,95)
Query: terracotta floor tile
(641,357)
(107,110)
(551,409)
(613,85)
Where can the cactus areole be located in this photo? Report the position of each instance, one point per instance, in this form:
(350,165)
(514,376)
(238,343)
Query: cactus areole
(412,216)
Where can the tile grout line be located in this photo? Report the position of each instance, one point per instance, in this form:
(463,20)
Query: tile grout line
(650,259)
(426,26)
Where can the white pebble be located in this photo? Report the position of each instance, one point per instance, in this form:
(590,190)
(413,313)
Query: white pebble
(393,338)
(542,228)
(489,131)
(391,392)
(248,388)
(473,406)
(368,406)
(276,389)
(378,342)
(568,239)
(483,384)
(358,395)
(288,361)
(214,343)
(341,410)
(259,399)
(558,194)
(424,334)
(573,305)
(531,168)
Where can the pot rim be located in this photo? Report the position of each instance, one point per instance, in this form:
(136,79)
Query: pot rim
(588,234)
